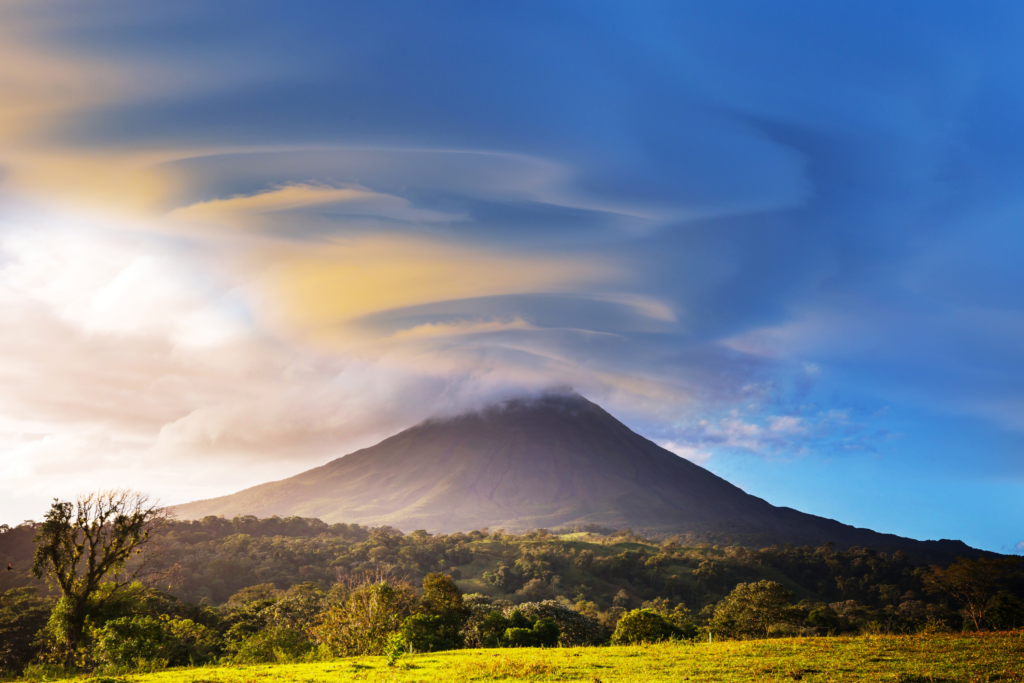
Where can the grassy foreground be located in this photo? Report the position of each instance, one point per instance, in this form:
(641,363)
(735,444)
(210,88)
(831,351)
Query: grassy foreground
(906,659)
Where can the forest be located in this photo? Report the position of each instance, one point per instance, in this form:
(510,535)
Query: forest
(298,589)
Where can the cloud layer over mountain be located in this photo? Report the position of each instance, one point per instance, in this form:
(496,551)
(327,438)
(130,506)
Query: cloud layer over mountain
(243,238)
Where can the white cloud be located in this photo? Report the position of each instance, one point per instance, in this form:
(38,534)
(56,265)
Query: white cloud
(128,361)
(787,424)
(692,454)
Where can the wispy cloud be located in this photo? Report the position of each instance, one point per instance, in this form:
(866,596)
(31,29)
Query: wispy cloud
(238,210)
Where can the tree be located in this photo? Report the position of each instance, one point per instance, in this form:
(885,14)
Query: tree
(971,583)
(575,629)
(751,609)
(365,621)
(585,560)
(83,545)
(643,626)
(707,573)
(525,632)
(442,598)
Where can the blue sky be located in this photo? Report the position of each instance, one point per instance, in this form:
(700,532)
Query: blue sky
(782,239)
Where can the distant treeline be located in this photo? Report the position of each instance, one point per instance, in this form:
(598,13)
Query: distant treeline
(214,558)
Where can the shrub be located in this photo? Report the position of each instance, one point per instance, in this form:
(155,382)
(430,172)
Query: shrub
(281,644)
(363,623)
(751,610)
(643,626)
(486,632)
(518,637)
(575,629)
(825,619)
(546,632)
(543,633)
(1005,612)
(426,633)
(395,648)
(128,641)
(22,615)
(190,643)
(677,615)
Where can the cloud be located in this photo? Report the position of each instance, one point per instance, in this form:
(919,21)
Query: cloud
(313,288)
(239,210)
(283,235)
(460,328)
(120,359)
(689,452)
(786,424)
(40,85)
(753,433)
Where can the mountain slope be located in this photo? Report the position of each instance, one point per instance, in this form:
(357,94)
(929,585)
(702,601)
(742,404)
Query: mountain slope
(548,462)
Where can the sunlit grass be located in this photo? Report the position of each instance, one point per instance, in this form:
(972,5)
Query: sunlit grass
(901,659)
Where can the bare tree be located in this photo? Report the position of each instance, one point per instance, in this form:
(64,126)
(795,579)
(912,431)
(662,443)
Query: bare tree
(83,545)
(972,583)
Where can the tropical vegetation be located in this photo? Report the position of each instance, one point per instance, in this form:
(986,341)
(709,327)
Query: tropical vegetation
(253,591)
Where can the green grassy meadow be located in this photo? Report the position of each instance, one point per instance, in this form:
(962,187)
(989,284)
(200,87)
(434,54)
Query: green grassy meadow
(906,659)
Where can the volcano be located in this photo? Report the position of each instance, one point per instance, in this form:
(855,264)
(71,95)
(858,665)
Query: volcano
(554,461)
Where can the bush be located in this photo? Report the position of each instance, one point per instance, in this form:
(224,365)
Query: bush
(752,610)
(575,629)
(825,620)
(546,632)
(395,648)
(644,626)
(47,671)
(486,632)
(132,642)
(281,644)
(677,615)
(518,637)
(363,623)
(543,633)
(129,641)
(426,633)
(1005,612)
(190,643)
(22,615)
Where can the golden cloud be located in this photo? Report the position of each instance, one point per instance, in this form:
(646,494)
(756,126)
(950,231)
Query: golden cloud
(316,288)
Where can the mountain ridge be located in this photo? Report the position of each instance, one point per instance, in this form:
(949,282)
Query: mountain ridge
(556,460)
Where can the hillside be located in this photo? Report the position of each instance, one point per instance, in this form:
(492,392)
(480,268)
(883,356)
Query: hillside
(215,558)
(555,461)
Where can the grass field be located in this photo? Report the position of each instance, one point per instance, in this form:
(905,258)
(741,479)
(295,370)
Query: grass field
(906,659)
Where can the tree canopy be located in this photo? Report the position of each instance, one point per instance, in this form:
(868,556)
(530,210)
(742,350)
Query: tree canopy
(83,545)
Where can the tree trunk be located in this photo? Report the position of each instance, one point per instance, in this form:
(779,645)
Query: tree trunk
(977,616)
(74,628)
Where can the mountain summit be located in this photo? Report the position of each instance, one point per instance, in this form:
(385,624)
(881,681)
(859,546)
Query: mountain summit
(546,462)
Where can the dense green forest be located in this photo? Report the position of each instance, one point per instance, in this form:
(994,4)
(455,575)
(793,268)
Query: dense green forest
(257,589)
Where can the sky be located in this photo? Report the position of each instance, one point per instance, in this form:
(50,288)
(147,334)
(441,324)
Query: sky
(783,240)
